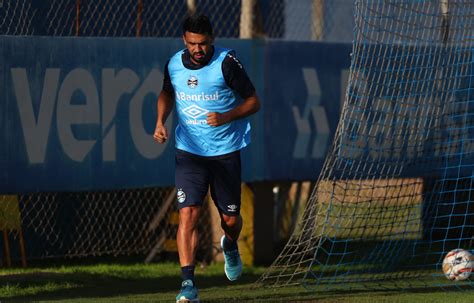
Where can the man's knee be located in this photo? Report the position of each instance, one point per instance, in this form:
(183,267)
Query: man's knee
(188,217)
(231,221)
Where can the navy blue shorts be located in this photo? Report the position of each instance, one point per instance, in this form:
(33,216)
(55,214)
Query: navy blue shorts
(196,174)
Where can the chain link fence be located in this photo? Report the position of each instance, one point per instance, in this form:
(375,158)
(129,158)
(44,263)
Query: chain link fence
(324,20)
(139,221)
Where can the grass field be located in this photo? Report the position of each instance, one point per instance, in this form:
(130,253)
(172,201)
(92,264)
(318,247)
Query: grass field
(160,283)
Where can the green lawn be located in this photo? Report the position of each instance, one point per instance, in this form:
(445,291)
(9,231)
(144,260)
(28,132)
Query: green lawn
(160,283)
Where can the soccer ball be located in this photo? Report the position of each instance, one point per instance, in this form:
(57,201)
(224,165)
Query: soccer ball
(458,264)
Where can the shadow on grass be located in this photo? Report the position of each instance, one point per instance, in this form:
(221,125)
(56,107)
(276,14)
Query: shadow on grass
(51,286)
(301,294)
(213,288)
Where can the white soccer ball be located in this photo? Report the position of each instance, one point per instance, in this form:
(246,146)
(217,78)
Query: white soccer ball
(458,264)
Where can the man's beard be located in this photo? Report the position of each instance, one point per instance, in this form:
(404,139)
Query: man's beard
(202,58)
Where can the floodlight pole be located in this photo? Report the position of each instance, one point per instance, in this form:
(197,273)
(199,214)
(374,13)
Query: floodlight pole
(247,19)
(78,14)
(139,18)
(444,7)
(191,5)
(317,20)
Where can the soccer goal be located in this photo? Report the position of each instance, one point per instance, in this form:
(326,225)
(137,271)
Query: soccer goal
(396,191)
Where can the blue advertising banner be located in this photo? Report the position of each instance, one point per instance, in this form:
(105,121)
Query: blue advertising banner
(79,113)
(305,84)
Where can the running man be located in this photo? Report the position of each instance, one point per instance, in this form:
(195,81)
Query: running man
(202,81)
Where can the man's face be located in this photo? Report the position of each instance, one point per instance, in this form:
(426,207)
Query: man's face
(198,45)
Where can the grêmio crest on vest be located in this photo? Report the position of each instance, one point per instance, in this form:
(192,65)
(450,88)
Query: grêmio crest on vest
(197,93)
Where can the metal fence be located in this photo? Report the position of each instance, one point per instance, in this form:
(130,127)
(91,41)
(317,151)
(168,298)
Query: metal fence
(126,222)
(324,20)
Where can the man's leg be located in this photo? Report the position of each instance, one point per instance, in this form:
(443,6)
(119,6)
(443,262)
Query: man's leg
(192,184)
(232,225)
(187,241)
(187,236)
(226,193)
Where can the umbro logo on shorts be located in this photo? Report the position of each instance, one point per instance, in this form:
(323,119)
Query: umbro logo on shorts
(232,208)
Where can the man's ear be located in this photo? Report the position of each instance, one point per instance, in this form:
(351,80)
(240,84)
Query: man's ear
(184,41)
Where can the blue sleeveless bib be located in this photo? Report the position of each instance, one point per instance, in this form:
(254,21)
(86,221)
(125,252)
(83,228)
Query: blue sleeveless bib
(198,92)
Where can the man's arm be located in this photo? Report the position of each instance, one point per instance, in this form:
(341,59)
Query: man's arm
(249,106)
(237,79)
(165,105)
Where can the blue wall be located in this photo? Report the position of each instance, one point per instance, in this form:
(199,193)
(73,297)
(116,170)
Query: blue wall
(304,89)
(79,113)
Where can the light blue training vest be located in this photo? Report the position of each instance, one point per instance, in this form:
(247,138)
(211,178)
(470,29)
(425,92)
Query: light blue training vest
(198,92)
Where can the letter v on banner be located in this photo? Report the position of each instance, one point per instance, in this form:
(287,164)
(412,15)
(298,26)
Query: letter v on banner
(35,130)
(318,113)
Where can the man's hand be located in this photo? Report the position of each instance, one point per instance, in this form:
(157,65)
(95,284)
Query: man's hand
(217,119)
(161,134)
(250,105)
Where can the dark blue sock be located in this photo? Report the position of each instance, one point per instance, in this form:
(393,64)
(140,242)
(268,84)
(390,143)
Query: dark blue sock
(187,272)
(229,244)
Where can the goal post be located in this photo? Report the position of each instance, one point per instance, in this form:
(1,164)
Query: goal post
(395,193)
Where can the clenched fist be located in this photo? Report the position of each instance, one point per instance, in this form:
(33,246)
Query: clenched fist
(216,119)
(161,134)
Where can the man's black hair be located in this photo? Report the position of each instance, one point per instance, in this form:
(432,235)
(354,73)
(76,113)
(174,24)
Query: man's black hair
(198,25)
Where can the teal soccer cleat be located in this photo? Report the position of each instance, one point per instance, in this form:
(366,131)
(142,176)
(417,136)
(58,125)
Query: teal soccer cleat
(188,293)
(233,264)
